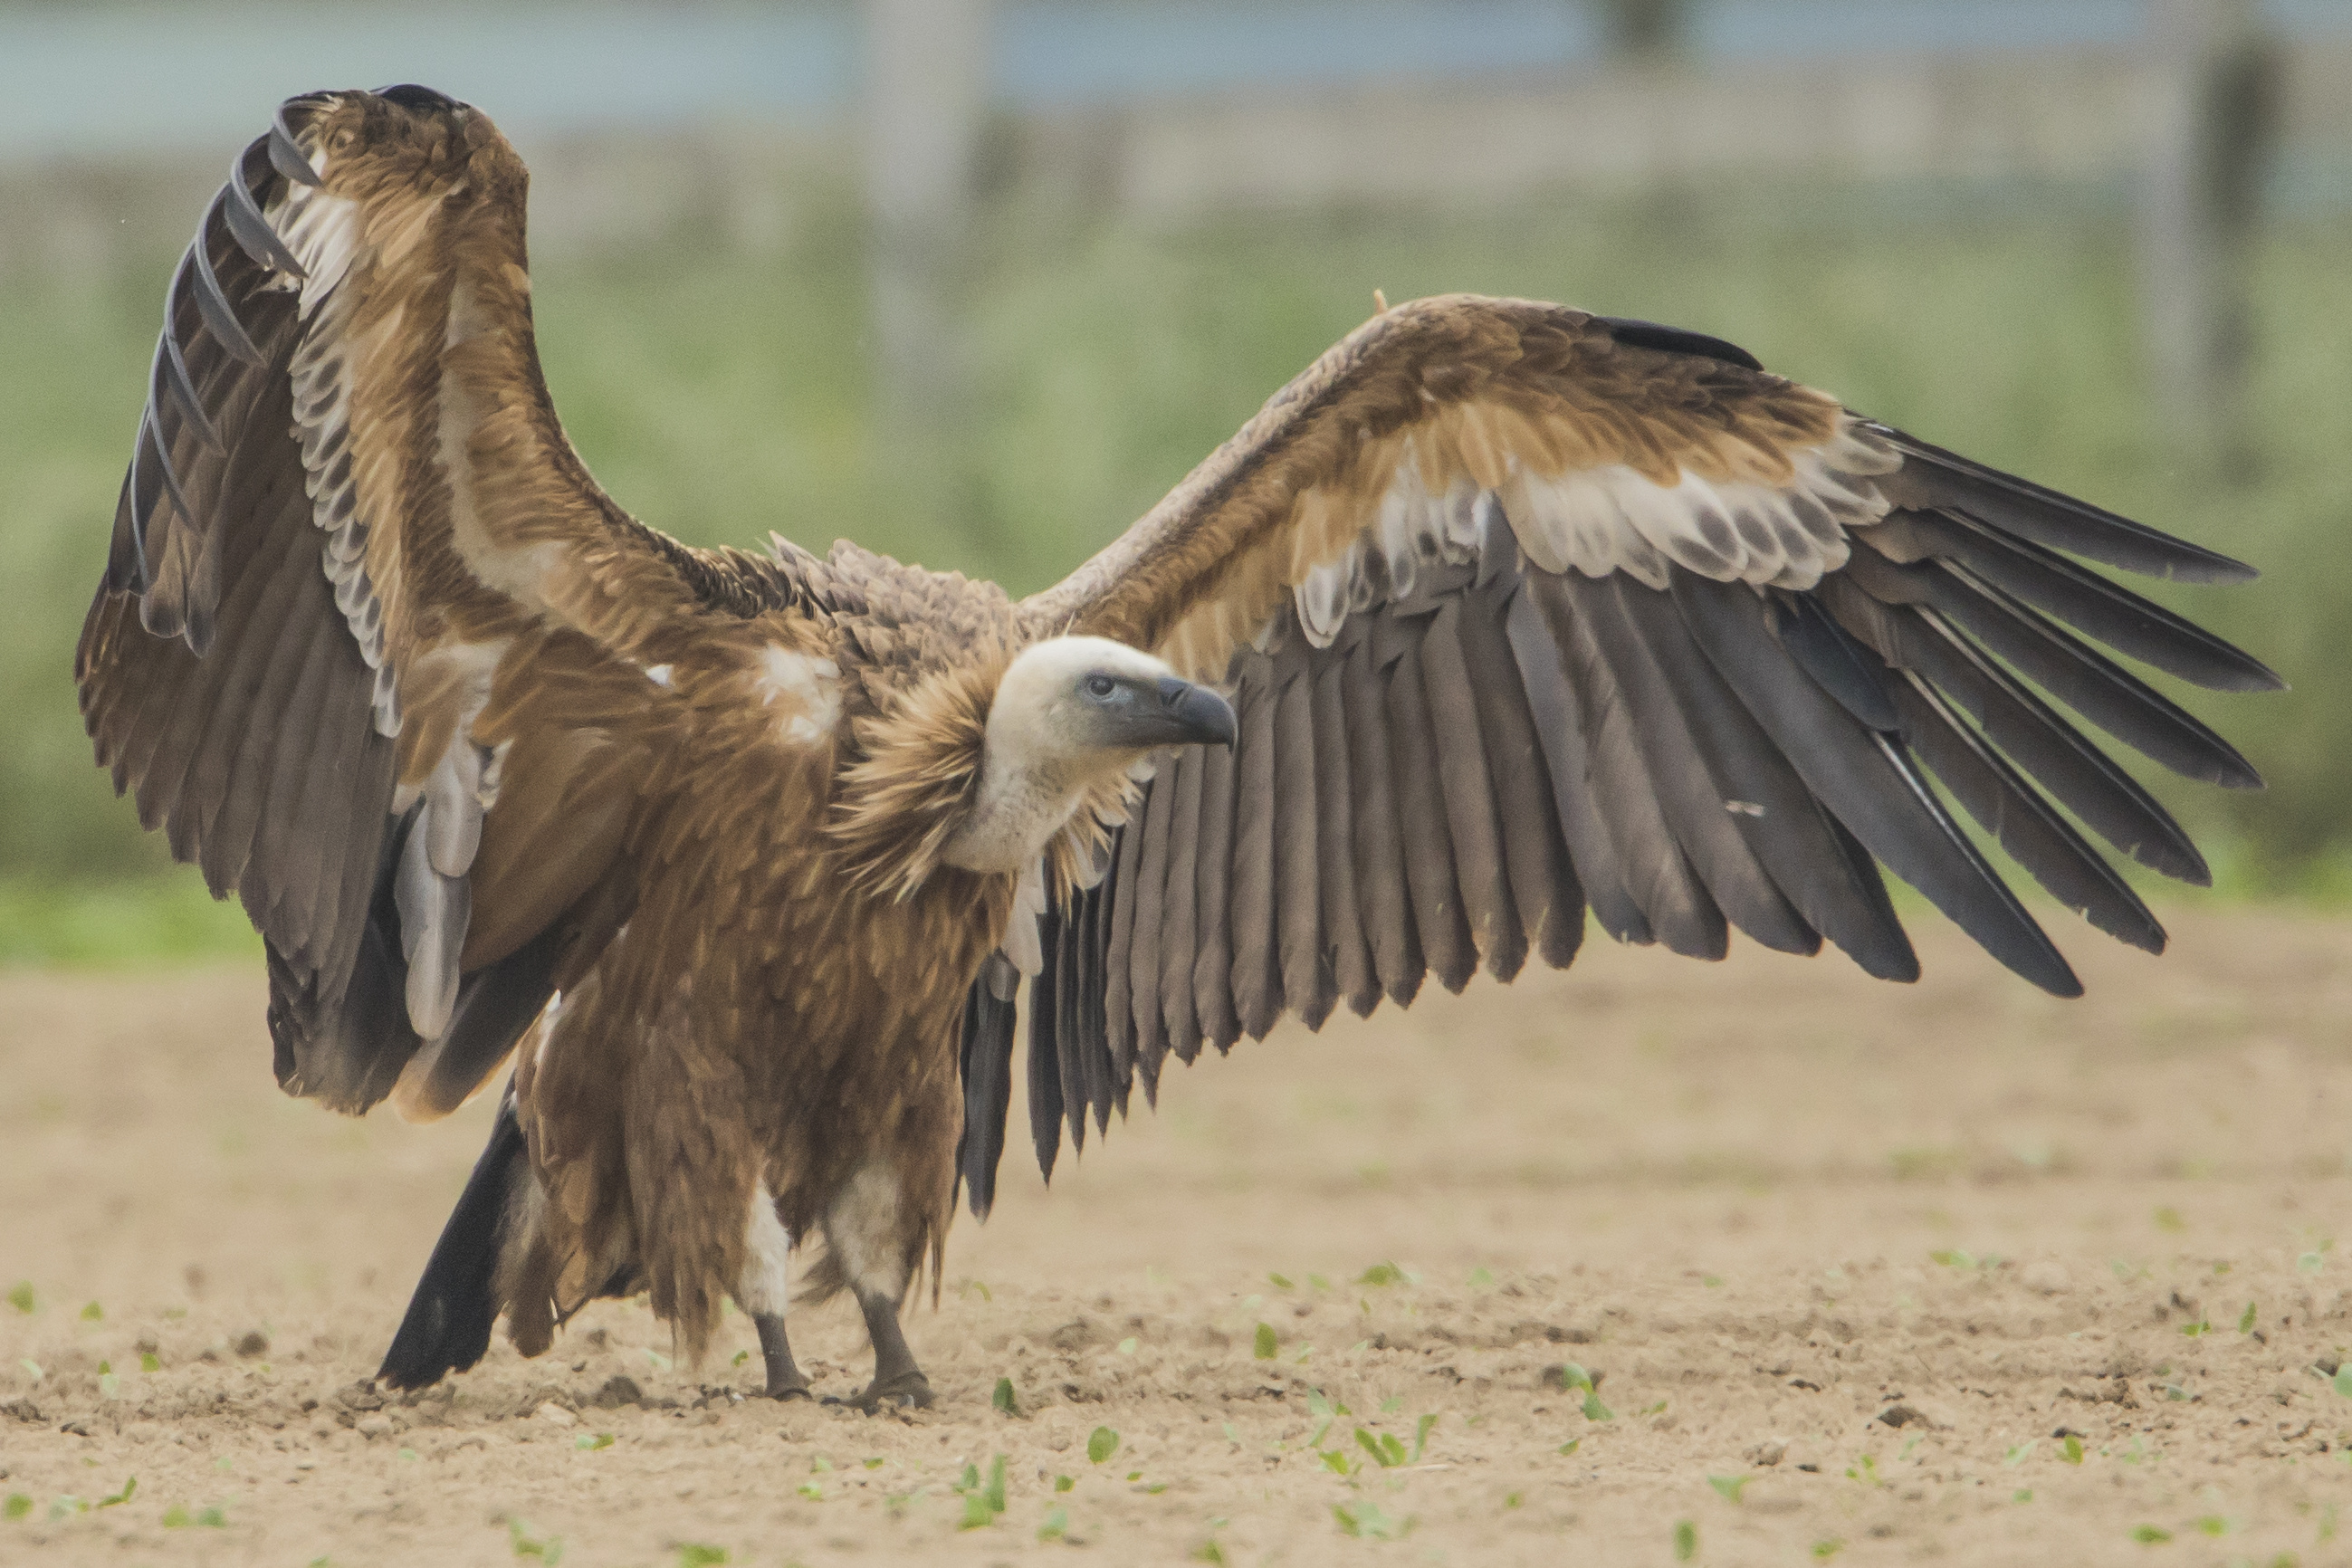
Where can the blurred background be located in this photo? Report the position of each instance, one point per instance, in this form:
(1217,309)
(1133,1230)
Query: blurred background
(975,282)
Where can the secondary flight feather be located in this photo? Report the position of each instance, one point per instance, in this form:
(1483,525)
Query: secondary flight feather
(1500,614)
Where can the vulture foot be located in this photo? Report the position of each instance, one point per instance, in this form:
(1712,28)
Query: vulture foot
(909,1390)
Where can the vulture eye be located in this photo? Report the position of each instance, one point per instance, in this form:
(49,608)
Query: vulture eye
(1100,686)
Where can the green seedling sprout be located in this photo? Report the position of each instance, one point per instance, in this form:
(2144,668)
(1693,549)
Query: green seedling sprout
(93,1313)
(1064,1483)
(1278,1283)
(1381,1274)
(1825,1550)
(1420,1430)
(1055,1525)
(694,1554)
(2246,1319)
(2072,1452)
(150,1362)
(1001,1401)
(982,1504)
(1728,1488)
(548,1551)
(129,1488)
(1127,1346)
(1385,1449)
(2150,1535)
(1685,1539)
(18,1506)
(1101,1444)
(2019,1454)
(1263,1347)
(2167,1218)
(1571,1445)
(1364,1520)
(1209,1551)
(21,1297)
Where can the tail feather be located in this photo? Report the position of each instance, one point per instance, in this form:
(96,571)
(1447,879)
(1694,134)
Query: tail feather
(448,1326)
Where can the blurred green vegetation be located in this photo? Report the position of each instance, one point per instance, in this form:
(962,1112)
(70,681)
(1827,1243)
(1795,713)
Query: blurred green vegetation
(720,395)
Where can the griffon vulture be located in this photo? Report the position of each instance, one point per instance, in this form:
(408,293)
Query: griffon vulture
(1501,612)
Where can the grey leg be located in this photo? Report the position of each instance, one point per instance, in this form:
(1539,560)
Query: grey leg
(897,1379)
(785,1379)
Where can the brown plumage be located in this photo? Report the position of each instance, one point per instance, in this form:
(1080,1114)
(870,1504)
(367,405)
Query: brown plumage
(741,859)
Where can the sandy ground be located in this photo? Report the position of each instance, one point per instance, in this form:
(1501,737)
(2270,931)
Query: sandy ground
(1774,1209)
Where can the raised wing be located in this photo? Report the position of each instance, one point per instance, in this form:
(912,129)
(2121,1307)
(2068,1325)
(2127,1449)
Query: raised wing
(1528,610)
(372,648)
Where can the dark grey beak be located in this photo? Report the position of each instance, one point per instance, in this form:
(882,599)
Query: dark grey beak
(1196,714)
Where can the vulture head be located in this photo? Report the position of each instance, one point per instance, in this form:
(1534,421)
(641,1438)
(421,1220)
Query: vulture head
(1070,715)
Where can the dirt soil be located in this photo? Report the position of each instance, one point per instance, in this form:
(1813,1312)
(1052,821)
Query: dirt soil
(1864,1272)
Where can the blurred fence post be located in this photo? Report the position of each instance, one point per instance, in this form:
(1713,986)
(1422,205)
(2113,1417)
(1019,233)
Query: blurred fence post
(927,77)
(1644,29)
(2215,76)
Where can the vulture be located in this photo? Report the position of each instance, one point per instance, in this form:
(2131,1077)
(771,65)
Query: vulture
(1501,617)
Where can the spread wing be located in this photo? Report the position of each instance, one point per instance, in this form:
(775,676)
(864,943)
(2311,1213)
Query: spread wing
(372,648)
(1528,610)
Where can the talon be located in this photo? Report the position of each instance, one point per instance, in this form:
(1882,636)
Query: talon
(907,1390)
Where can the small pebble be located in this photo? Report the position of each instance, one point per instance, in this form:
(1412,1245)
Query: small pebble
(2046,1276)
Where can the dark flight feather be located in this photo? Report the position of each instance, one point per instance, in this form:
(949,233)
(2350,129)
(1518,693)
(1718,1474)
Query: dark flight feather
(1307,980)
(1045,1055)
(2084,600)
(1382,897)
(447,1325)
(1937,480)
(1863,778)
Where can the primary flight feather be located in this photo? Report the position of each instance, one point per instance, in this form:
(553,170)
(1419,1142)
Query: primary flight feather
(1500,613)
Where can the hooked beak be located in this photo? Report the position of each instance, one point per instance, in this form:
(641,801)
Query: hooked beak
(1196,713)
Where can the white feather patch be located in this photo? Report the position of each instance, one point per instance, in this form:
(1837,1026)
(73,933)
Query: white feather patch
(766,1285)
(864,1227)
(810,687)
(1607,520)
(1022,943)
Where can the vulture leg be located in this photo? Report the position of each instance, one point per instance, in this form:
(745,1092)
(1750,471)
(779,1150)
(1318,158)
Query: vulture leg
(897,1379)
(785,1379)
(873,1241)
